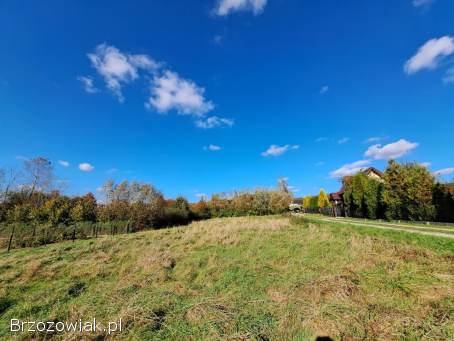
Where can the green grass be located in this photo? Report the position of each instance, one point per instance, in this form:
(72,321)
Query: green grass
(239,278)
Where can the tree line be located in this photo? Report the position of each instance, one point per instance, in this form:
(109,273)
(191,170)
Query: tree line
(406,192)
(33,210)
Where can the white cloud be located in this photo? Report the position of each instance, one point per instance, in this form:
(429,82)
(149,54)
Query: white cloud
(324,89)
(420,3)
(225,7)
(86,167)
(212,148)
(430,54)
(449,76)
(275,150)
(63,163)
(119,68)
(390,151)
(350,169)
(88,84)
(373,139)
(171,92)
(445,171)
(321,139)
(343,140)
(425,164)
(213,122)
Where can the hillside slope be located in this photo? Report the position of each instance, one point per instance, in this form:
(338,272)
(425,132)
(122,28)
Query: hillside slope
(238,278)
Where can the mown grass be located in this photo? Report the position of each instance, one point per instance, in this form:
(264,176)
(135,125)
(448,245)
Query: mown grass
(261,278)
(438,244)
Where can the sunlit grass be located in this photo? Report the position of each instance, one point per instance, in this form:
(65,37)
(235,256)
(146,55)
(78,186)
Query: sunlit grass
(240,278)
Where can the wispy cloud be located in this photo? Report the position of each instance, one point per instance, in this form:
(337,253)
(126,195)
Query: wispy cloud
(321,139)
(225,7)
(88,84)
(343,140)
(214,122)
(430,54)
(349,169)
(86,167)
(212,148)
(320,163)
(63,163)
(324,89)
(390,151)
(449,76)
(422,3)
(374,139)
(445,171)
(275,150)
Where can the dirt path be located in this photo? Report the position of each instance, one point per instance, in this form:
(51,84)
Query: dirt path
(384,227)
(435,228)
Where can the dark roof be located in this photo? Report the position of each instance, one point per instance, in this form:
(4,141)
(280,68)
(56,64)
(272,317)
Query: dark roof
(336,195)
(372,169)
(450,187)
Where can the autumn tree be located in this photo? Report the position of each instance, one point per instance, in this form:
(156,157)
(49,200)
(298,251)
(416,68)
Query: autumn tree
(407,192)
(323,199)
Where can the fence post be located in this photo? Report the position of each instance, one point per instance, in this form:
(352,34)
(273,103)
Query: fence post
(74,233)
(11,237)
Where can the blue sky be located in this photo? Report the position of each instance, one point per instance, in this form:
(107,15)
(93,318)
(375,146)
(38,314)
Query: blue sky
(209,96)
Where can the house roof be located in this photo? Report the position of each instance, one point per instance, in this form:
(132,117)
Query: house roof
(373,170)
(450,187)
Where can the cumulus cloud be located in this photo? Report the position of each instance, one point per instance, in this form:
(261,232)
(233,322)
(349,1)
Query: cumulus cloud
(88,84)
(212,148)
(430,54)
(275,150)
(214,122)
(86,167)
(421,3)
(63,163)
(445,171)
(350,169)
(225,7)
(171,92)
(390,151)
(168,90)
(118,68)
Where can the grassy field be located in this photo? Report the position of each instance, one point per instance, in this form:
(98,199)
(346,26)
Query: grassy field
(260,278)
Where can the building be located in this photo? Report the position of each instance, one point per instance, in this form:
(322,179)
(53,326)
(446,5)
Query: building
(337,198)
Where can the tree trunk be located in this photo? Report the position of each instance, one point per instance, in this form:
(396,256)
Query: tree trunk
(11,238)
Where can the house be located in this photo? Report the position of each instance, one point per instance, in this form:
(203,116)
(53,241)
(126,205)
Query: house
(337,198)
(451,187)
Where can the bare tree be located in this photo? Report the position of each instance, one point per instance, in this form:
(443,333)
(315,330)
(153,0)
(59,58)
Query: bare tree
(282,184)
(7,182)
(39,175)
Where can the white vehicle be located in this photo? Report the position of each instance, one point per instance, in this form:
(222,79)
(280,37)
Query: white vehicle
(295,208)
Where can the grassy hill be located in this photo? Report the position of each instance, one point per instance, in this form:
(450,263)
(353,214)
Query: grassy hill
(239,278)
